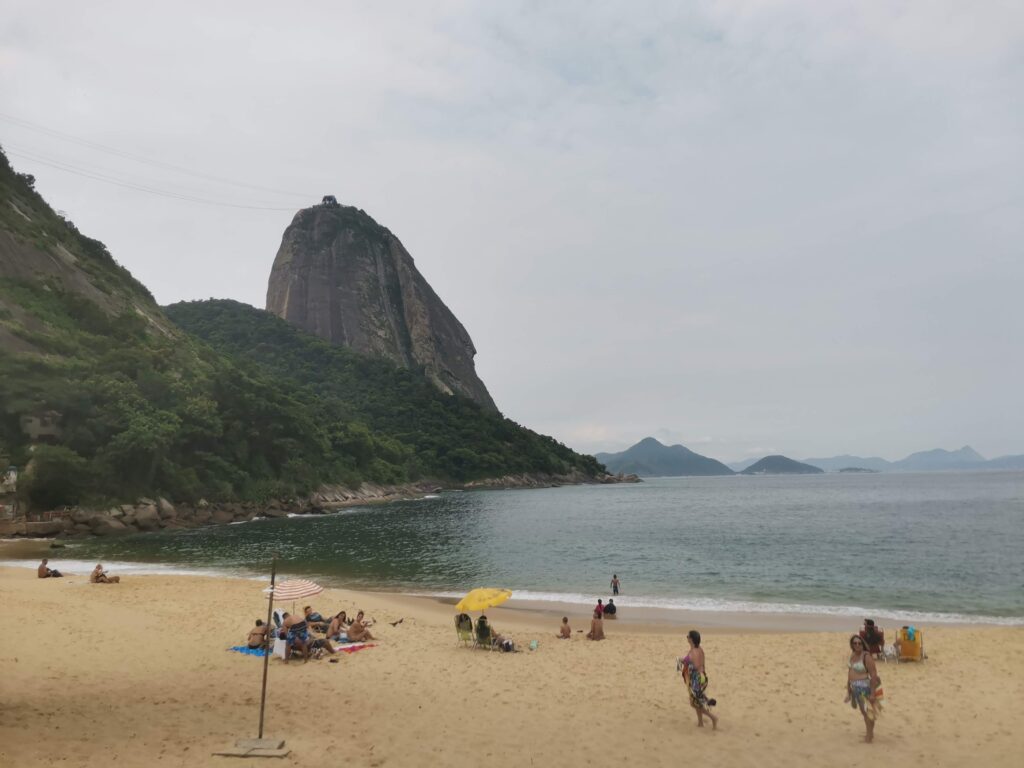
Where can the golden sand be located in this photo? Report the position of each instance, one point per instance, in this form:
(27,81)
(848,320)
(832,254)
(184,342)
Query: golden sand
(137,674)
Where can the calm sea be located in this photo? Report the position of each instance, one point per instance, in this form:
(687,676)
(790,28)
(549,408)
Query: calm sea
(920,545)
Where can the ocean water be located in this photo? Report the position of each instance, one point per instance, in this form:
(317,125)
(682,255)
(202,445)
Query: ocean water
(920,546)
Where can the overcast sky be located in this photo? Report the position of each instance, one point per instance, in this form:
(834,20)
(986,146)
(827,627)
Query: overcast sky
(749,227)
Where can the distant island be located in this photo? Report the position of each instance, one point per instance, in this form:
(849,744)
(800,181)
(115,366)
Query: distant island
(860,470)
(781,465)
(650,458)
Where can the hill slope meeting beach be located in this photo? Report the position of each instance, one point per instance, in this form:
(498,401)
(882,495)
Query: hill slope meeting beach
(392,422)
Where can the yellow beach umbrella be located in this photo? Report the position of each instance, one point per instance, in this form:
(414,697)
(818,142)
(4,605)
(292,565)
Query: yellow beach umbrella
(483,598)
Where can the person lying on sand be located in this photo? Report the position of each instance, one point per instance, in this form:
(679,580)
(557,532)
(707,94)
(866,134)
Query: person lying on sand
(47,573)
(564,632)
(99,576)
(358,631)
(257,635)
(315,620)
(596,627)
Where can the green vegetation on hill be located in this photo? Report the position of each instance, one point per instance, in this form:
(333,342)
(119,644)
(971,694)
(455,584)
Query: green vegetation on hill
(147,409)
(424,432)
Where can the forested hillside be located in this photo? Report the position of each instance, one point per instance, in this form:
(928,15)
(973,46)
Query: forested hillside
(145,409)
(420,430)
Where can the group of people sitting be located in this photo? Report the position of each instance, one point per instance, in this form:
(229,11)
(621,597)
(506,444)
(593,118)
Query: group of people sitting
(484,635)
(298,632)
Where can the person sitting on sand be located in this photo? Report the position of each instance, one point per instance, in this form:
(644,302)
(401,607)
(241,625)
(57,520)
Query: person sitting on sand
(564,631)
(338,625)
(99,576)
(297,633)
(47,573)
(358,632)
(257,635)
(610,609)
(596,627)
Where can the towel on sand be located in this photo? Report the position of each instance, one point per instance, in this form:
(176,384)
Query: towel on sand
(247,650)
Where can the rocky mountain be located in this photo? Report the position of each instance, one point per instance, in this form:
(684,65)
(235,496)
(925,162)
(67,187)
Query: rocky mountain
(105,399)
(345,278)
(650,458)
(780,465)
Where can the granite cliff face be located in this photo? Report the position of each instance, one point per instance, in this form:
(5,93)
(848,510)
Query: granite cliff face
(342,276)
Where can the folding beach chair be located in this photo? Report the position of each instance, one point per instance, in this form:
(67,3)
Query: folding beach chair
(464,629)
(484,637)
(910,642)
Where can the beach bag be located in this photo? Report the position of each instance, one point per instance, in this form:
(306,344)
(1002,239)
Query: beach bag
(507,646)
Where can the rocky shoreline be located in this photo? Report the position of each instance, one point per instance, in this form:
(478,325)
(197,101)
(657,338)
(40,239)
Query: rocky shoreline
(147,515)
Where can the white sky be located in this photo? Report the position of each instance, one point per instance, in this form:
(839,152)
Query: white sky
(748,227)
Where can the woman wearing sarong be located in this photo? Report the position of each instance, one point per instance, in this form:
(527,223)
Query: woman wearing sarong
(696,679)
(863,688)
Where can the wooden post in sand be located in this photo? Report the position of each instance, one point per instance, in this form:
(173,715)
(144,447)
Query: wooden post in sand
(261,747)
(266,651)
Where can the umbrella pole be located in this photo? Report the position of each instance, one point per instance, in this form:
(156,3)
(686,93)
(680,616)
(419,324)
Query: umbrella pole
(266,652)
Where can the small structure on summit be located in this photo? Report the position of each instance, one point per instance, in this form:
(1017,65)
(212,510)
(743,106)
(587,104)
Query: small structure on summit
(329,200)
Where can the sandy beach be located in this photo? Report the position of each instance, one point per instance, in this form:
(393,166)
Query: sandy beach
(137,674)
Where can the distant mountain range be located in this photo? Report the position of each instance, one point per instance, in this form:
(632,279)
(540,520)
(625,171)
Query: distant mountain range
(649,458)
(935,460)
(780,465)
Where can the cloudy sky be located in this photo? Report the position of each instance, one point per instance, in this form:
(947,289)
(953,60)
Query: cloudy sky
(748,227)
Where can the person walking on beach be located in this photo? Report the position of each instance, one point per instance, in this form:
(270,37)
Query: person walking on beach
(615,584)
(696,679)
(863,687)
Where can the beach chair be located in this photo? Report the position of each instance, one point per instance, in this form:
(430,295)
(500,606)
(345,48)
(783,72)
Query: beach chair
(910,642)
(464,629)
(876,645)
(484,637)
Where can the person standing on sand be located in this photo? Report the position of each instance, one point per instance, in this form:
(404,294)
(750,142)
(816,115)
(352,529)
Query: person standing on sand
(863,687)
(599,609)
(696,679)
(615,584)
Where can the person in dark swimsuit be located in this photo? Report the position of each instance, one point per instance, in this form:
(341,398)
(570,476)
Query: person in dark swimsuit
(257,635)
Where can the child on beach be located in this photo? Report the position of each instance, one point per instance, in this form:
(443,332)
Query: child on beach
(99,576)
(564,632)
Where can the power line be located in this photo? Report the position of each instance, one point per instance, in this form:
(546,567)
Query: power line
(78,171)
(28,125)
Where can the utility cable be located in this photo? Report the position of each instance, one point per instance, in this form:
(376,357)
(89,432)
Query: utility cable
(139,158)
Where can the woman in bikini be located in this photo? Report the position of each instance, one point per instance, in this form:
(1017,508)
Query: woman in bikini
(862,685)
(696,679)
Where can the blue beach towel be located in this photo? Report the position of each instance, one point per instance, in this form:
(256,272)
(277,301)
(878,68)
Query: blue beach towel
(248,651)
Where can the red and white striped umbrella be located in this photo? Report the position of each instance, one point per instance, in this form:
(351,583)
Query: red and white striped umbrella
(294,589)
